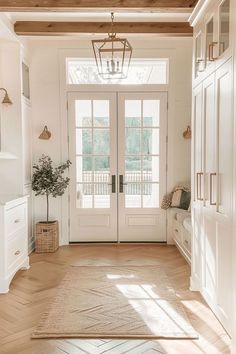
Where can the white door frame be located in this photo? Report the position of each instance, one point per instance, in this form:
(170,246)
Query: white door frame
(80,89)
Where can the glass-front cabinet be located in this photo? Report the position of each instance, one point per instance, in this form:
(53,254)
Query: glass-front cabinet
(224,26)
(212,37)
(199,61)
(210,43)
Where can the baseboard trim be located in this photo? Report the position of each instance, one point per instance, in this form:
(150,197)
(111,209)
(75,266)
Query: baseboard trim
(194,284)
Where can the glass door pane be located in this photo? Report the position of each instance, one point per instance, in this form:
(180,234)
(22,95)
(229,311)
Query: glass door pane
(92,153)
(142,120)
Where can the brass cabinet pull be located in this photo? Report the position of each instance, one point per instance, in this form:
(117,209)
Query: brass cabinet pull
(211,51)
(211,178)
(199,190)
(17,253)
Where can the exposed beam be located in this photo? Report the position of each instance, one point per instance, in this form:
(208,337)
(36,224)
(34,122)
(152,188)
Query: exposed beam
(38,28)
(73,5)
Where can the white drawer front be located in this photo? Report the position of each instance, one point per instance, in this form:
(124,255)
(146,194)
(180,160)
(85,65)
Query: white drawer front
(15,219)
(177,230)
(187,241)
(16,249)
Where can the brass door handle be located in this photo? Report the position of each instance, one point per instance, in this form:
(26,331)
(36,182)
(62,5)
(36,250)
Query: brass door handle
(211,51)
(211,178)
(199,190)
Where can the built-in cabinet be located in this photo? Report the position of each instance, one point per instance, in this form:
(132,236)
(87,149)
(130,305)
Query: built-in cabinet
(212,40)
(14,238)
(212,157)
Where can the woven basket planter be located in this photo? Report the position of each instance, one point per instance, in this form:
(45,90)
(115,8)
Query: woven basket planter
(47,237)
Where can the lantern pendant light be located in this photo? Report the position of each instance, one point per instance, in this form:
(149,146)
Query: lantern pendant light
(112,55)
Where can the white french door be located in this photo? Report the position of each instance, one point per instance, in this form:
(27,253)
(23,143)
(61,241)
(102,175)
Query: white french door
(117,145)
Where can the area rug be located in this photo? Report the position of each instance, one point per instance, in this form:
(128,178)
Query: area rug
(115,302)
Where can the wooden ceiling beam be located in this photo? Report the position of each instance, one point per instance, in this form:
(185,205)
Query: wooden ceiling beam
(39,28)
(73,5)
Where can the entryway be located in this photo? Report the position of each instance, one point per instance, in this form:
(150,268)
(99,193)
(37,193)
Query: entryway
(117,146)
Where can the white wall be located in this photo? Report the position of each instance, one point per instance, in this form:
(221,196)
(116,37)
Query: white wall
(15,174)
(46,100)
(11,123)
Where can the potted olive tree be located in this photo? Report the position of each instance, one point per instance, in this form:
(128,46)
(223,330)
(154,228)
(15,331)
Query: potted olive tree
(49,181)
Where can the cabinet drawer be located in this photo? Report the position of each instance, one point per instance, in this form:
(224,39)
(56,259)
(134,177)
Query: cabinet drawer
(187,241)
(177,230)
(15,219)
(16,248)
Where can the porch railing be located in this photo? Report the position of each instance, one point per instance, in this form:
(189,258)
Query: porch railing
(99,180)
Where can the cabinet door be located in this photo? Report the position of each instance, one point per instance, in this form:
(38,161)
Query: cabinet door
(210,43)
(198,143)
(209,277)
(198,56)
(224,90)
(197,247)
(209,122)
(224,95)
(208,214)
(197,155)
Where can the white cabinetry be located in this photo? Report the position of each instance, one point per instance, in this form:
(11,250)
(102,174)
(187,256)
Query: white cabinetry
(182,231)
(213,185)
(212,37)
(14,238)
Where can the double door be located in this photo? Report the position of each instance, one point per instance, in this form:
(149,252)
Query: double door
(213,186)
(117,146)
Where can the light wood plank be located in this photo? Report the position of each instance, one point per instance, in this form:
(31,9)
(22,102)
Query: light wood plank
(32,290)
(35,28)
(67,5)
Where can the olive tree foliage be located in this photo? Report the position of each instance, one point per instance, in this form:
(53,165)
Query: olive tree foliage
(49,180)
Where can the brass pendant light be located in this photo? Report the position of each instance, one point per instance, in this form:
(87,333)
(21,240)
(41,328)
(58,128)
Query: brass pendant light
(112,55)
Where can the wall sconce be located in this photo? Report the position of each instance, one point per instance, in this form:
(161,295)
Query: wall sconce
(46,134)
(6,100)
(187,133)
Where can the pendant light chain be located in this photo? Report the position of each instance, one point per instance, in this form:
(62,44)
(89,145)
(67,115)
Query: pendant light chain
(112,34)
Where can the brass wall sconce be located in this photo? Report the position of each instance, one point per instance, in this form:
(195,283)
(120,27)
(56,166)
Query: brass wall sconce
(6,99)
(46,134)
(187,133)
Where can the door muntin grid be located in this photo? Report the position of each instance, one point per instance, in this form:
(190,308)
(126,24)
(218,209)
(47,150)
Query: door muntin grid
(93,153)
(142,153)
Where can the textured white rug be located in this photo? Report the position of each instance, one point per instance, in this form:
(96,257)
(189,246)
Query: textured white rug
(115,302)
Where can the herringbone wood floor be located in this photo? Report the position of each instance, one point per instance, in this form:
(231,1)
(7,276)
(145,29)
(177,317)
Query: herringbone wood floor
(31,291)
